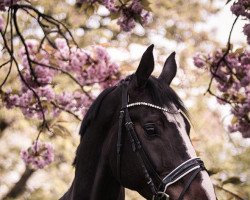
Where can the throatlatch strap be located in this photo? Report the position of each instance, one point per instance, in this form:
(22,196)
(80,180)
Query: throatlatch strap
(119,144)
(120,124)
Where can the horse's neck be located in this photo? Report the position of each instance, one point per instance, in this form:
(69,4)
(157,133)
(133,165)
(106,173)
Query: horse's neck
(93,178)
(105,185)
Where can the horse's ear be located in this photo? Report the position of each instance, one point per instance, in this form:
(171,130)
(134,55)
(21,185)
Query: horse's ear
(169,69)
(145,67)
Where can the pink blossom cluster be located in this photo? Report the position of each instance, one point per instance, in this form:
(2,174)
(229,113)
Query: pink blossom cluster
(88,67)
(246,31)
(129,13)
(38,155)
(85,67)
(242,8)
(7,3)
(199,60)
(232,76)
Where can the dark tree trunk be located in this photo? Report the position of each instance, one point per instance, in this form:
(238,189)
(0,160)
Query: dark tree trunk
(19,187)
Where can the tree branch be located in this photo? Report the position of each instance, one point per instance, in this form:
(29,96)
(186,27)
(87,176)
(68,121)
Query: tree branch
(223,57)
(229,192)
(19,187)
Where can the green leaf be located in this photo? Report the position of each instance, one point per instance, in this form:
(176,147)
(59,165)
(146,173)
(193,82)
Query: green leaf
(213,171)
(60,130)
(234,120)
(234,180)
(125,1)
(114,16)
(138,19)
(82,6)
(239,50)
(146,5)
(90,10)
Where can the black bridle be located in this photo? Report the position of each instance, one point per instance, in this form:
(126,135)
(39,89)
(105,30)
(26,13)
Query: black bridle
(157,185)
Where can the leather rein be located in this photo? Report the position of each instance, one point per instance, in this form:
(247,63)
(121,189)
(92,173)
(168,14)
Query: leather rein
(157,185)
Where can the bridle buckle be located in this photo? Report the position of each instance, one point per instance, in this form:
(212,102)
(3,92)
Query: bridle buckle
(160,196)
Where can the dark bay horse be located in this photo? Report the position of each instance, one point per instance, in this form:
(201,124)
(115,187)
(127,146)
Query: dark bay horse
(136,135)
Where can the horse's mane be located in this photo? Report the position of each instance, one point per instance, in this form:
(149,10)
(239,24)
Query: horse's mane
(93,110)
(91,114)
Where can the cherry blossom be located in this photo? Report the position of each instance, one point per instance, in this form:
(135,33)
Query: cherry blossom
(232,76)
(38,155)
(86,67)
(231,71)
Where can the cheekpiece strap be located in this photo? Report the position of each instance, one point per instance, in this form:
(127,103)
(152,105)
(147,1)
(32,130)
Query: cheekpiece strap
(120,126)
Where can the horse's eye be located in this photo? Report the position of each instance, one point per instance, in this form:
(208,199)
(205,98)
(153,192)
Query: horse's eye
(150,129)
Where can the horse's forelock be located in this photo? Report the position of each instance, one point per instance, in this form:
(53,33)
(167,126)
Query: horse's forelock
(165,96)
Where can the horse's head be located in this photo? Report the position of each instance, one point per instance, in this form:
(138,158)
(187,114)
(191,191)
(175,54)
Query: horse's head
(153,152)
(136,135)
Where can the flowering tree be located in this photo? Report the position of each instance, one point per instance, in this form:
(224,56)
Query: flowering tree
(41,63)
(230,68)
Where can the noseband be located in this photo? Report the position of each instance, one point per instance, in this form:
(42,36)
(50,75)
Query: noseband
(157,185)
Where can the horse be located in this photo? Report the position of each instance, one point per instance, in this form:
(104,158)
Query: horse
(136,135)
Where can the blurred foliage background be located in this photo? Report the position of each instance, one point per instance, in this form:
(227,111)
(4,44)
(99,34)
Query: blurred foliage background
(176,25)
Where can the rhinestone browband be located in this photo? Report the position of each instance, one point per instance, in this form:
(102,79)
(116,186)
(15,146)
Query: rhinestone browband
(153,106)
